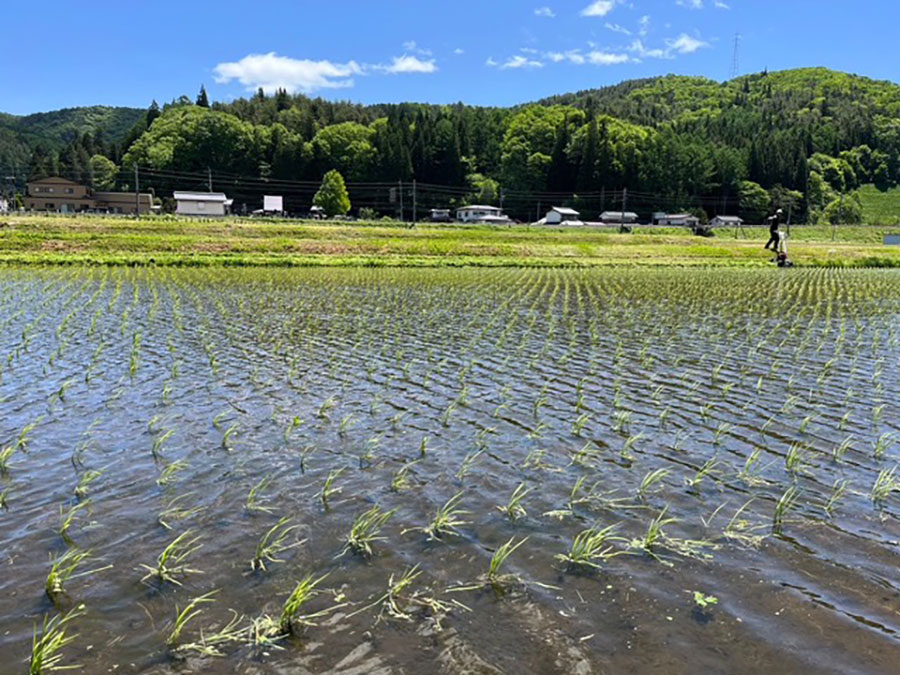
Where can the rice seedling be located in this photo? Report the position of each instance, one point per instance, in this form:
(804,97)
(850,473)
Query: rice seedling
(400,480)
(67,518)
(4,499)
(345,424)
(5,455)
(513,508)
(883,444)
(838,490)
(467,463)
(365,531)
(591,547)
(63,569)
(170,472)
(446,520)
(185,616)
(255,499)
(273,543)
(786,503)
(652,481)
(266,629)
(845,446)
(47,646)
(742,530)
(172,563)
(877,413)
(226,438)
(157,449)
(579,424)
(177,509)
(621,421)
(305,454)
(627,448)
(708,470)
(328,490)
(496,579)
(795,461)
(653,537)
(722,429)
(885,484)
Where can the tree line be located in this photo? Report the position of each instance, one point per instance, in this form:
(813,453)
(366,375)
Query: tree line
(801,140)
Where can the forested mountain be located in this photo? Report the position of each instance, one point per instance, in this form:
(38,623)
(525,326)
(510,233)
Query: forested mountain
(52,131)
(796,139)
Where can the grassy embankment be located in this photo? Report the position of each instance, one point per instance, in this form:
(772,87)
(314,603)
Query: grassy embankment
(122,241)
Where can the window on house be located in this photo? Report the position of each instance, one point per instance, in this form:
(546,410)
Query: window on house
(200,206)
(50,207)
(49,189)
(70,191)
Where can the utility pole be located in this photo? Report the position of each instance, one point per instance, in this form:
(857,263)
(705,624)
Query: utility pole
(209,178)
(415,204)
(400,183)
(502,198)
(624,203)
(538,212)
(137,192)
(790,211)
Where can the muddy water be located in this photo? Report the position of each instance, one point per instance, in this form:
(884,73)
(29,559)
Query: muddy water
(576,384)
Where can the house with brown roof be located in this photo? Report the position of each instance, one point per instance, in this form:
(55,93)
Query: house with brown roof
(60,195)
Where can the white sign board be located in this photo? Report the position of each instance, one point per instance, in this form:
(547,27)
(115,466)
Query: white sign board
(273,204)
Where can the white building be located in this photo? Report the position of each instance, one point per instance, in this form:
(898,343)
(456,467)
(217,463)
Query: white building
(4,205)
(726,221)
(618,217)
(273,204)
(677,220)
(210,204)
(560,215)
(481,214)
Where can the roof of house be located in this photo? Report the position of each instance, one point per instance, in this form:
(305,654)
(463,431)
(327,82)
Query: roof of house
(564,210)
(729,219)
(479,207)
(618,215)
(679,215)
(56,180)
(201,197)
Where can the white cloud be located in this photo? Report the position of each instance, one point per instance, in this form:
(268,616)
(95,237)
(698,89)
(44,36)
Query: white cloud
(490,62)
(599,58)
(271,72)
(645,25)
(638,48)
(459,51)
(690,4)
(721,5)
(616,28)
(599,8)
(409,64)
(545,12)
(411,46)
(685,44)
(519,61)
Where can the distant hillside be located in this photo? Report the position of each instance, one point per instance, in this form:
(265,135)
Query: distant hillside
(19,136)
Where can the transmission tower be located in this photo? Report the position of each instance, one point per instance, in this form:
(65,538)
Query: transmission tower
(736,59)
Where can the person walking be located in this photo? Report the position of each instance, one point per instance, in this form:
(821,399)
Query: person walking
(773,222)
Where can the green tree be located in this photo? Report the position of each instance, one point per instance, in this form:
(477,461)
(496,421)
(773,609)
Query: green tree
(104,172)
(754,202)
(202,98)
(332,195)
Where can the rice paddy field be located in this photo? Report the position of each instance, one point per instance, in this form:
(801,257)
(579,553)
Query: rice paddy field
(449,471)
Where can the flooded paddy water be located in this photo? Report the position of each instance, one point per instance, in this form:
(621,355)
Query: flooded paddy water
(690,471)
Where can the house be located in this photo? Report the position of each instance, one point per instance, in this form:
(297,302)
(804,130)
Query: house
(560,215)
(618,217)
(66,196)
(677,220)
(726,221)
(490,215)
(208,204)
(440,216)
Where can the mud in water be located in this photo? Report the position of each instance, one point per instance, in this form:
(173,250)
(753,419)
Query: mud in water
(752,415)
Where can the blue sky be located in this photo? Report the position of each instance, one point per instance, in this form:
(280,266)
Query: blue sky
(487,52)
